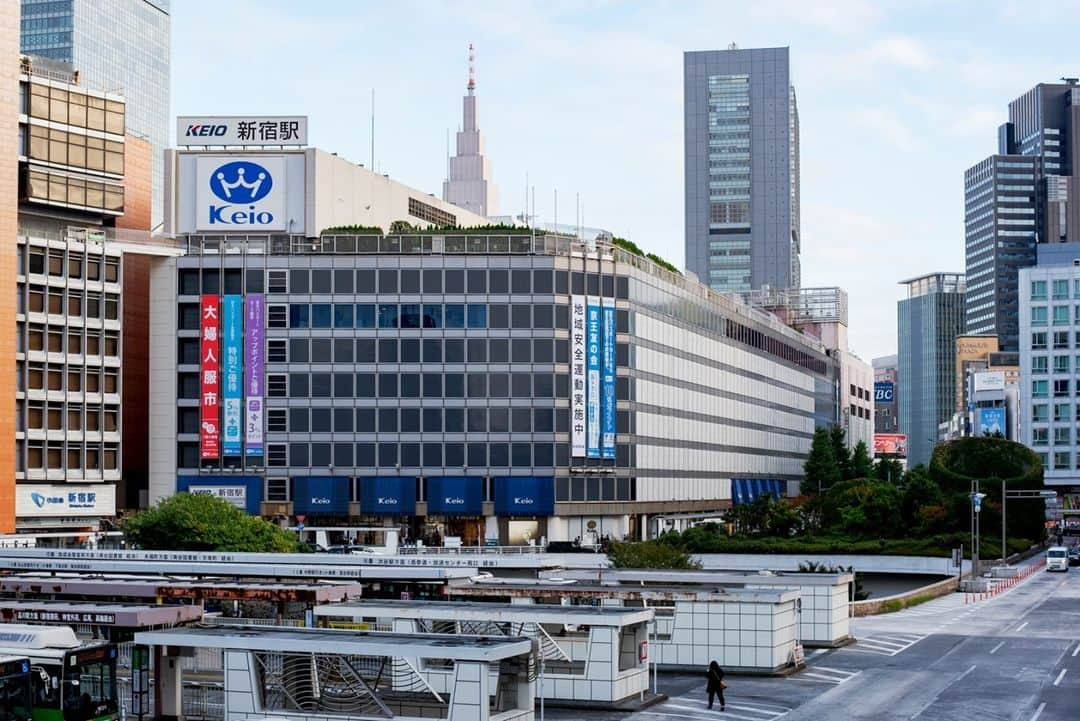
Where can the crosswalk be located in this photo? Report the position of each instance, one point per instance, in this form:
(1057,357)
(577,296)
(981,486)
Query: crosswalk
(887,644)
(695,709)
(824,674)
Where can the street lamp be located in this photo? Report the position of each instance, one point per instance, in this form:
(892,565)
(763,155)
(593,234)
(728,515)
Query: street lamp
(976,506)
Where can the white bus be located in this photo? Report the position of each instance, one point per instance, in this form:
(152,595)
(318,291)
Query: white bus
(70,680)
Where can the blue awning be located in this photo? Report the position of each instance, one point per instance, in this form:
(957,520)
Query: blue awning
(388,495)
(455,495)
(315,495)
(524,495)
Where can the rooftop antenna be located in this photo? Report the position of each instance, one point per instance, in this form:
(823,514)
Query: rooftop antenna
(472,70)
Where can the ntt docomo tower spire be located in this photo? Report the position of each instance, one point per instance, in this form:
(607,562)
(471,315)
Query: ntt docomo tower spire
(469,184)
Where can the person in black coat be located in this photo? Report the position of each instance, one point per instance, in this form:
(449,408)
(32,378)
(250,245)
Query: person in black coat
(715,685)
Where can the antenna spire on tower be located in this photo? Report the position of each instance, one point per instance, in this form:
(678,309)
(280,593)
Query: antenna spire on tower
(472,69)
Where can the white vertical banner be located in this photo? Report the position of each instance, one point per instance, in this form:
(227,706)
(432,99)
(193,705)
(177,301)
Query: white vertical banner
(577,376)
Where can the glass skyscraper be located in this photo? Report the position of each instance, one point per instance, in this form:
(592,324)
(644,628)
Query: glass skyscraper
(742,169)
(928,321)
(118,46)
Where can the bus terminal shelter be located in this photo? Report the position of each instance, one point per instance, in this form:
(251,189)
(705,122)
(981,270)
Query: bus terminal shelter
(593,656)
(112,621)
(316,674)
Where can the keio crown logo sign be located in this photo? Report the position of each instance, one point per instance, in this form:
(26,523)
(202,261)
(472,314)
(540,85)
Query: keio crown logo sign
(240,183)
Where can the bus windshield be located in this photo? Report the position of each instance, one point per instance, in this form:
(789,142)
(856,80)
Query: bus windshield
(15,694)
(90,685)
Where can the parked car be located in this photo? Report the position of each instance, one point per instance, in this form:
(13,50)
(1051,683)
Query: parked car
(1074,555)
(1057,559)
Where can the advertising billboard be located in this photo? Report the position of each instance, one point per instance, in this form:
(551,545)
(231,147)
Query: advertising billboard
(890,444)
(577,376)
(242,130)
(884,392)
(240,193)
(254,318)
(607,395)
(592,377)
(992,421)
(236,495)
(232,331)
(209,367)
(989,381)
(64,499)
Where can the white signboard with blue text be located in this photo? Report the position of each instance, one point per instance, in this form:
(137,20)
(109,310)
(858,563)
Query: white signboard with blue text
(64,499)
(243,130)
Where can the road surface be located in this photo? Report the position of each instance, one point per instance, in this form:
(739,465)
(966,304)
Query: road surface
(1013,657)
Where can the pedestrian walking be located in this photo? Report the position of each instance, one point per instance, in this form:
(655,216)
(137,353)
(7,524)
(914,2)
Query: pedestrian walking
(716,685)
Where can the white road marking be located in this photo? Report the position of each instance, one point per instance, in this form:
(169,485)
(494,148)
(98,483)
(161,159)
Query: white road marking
(965,673)
(1038,711)
(1060,676)
(887,645)
(995,648)
(713,712)
(1020,627)
(1076,650)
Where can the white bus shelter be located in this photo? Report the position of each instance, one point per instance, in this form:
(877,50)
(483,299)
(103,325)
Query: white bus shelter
(746,630)
(824,597)
(593,656)
(322,675)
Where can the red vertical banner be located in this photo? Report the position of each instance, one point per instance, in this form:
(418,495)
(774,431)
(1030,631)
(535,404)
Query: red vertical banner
(209,371)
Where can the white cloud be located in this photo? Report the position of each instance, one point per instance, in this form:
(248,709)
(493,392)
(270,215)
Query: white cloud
(901,51)
(891,124)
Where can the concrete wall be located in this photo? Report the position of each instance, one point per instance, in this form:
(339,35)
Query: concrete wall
(748,637)
(862,564)
(872,606)
(162,391)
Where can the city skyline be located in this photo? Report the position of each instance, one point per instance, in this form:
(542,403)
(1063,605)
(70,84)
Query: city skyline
(893,110)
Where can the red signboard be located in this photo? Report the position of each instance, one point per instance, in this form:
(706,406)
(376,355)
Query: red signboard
(209,370)
(890,444)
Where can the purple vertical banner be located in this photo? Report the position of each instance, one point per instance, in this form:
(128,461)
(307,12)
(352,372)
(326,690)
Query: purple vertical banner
(232,386)
(254,322)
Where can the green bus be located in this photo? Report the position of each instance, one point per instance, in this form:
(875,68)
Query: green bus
(70,680)
(15,689)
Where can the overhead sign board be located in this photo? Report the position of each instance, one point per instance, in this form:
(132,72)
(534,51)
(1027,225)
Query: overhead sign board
(241,130)
(64,499)
(236,495)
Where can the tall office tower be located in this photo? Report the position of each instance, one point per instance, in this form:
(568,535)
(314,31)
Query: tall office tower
(1021,196)
(120,47)
(469,184)
(742,169)
(929,320)
(9,228)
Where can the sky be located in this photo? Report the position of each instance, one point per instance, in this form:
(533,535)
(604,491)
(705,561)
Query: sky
(584,98)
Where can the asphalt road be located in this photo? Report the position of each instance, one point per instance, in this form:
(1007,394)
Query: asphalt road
(1013,657)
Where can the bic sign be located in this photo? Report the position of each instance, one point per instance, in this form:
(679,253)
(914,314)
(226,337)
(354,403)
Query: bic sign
(884,392)
(240,194)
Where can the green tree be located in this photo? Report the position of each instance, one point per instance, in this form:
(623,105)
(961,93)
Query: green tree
(862,466)
(186,522)
(864,507)
(820,468)
(920,492)
(889,469)
(841,452)
(650,554)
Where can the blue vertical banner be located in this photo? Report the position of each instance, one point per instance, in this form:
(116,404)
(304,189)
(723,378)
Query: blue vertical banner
(607,381)
(232,371)
(592,377)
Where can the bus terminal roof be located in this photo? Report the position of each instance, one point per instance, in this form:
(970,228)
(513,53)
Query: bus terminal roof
(156,587)
(344,643)
(495,612)
(97,614)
